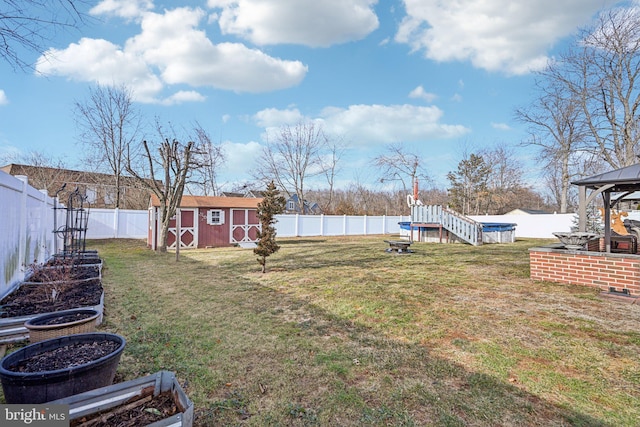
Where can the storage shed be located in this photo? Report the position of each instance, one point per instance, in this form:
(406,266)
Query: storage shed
(208,221)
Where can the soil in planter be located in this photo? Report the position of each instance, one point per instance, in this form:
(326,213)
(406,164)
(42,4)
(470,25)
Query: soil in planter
(67,356)
(73,261)
(141,412)
(67,318)
(63,273)
(38,299)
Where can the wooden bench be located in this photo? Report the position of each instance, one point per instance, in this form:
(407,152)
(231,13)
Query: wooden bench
(399,246)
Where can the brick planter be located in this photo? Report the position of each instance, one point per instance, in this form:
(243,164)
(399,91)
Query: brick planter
(599,270)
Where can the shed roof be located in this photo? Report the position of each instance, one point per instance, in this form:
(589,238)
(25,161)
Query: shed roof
(623,179)
(214,202)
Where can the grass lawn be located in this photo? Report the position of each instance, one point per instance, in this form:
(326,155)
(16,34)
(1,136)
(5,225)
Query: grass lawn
(341,333)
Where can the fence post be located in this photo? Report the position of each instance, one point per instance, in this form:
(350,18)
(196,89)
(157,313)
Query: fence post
(364,226)
(116,222)
(344,225)
(322,224)
(297,226)
(23,223)
(44,222)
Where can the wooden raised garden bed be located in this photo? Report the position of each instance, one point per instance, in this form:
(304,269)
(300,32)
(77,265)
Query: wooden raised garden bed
(156,400)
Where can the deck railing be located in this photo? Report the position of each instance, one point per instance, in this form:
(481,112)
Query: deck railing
(465,228)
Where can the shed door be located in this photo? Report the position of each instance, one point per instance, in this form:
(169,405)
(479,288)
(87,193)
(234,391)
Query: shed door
(188,229)
(244,226)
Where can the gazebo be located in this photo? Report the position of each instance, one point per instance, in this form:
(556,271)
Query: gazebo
(594,265)
(625,181)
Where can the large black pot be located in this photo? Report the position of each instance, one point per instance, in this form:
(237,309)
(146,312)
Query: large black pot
(39,387)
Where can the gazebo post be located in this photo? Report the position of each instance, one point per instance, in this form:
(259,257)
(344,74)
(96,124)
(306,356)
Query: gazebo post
(607,221)
(582,208)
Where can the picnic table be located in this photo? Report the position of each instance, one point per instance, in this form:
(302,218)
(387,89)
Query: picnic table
(399,246)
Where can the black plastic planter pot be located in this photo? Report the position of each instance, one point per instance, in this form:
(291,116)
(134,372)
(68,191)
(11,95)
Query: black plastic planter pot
(40,387)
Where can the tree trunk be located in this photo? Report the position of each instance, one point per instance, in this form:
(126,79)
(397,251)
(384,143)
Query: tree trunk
(164,233)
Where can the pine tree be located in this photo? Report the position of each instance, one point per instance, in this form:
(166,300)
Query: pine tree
(272,204)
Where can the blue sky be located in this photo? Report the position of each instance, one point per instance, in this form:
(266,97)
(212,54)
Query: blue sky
(436,76)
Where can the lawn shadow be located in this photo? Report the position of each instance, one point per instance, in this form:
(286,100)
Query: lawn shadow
(265,356)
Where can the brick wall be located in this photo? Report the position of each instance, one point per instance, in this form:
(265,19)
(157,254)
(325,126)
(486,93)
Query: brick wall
(595,269)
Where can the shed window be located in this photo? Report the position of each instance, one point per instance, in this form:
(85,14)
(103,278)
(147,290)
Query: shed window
(291,206)
(215,217)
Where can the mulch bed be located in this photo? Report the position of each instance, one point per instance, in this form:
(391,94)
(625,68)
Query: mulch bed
(39,298)
(144,411)
(66,356)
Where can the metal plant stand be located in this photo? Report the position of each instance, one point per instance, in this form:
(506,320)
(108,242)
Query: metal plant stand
(74,232)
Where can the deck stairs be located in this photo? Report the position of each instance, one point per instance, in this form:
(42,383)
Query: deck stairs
(461,226)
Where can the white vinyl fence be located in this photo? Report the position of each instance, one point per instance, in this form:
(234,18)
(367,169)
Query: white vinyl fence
(117,224)
(337,225)
(114,223)
(26,224)
(533,226)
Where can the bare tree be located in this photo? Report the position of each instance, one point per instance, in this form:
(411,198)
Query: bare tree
(294,156)
(504,180)
(48,171)
(213,158)
(167,172)
(109,125)
(31,24)
(400,166)
(330,167)
(603,72)
(557,128)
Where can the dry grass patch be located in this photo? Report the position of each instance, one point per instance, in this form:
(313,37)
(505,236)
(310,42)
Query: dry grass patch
(341,333)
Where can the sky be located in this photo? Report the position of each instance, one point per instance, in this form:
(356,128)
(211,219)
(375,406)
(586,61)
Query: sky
(438,77)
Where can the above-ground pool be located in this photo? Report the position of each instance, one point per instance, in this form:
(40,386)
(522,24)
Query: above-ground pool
(492,232)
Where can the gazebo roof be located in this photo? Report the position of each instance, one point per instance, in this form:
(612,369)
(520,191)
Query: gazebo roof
(623,179)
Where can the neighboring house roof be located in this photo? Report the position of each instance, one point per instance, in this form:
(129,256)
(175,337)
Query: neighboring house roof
(70,175)
(99,188)
(213,202)
(309,207)
(526,212)
(231,194)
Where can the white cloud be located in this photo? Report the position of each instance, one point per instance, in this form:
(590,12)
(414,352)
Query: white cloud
(371,124)
(366,124)
(500,126)
(171,50)
(306,22)
(100,61)
(495,35)
(273,118)
(420,93)
(127,9)
(183,96)
(3,98)
(240,158)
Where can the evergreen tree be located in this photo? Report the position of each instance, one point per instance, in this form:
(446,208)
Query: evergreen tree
(469,185)
(272,204)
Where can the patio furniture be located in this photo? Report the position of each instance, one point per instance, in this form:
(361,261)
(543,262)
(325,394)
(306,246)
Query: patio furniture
(624,244)
(399,246)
